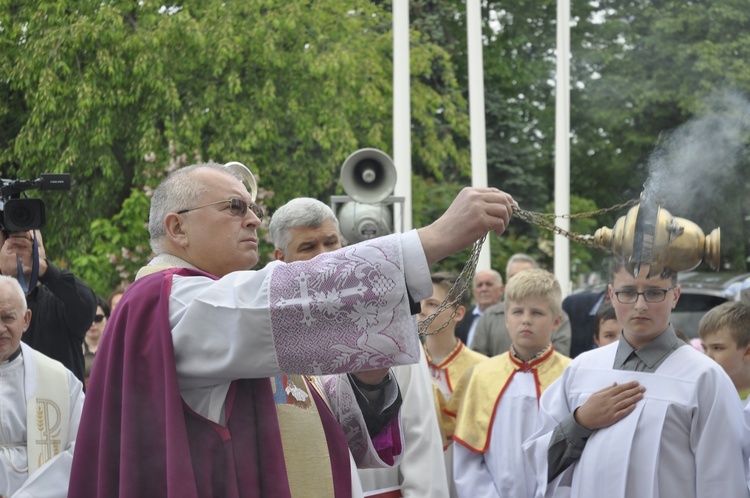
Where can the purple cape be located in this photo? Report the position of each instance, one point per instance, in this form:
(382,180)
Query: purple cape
(139,439)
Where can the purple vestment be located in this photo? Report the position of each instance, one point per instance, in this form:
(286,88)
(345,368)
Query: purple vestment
(138,438)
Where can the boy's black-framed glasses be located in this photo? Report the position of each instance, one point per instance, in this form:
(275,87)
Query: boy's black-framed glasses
(629,296)
(237,207)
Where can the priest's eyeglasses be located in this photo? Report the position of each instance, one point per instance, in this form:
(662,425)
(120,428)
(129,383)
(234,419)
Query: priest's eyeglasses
(237,207)
(630,296)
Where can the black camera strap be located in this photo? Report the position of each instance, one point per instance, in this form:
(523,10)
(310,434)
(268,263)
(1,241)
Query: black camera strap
(34,268)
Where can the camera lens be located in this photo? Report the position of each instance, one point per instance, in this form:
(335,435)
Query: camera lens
(24,214)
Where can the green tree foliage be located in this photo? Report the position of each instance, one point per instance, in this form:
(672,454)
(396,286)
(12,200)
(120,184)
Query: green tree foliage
(583,259)
(117,248)
(519,66)
(431,198)
(288,88)
(667,83)
(100,90)
(640,70)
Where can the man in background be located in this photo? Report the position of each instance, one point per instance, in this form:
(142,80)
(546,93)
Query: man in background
(582,308)
(487,288)
(305,227)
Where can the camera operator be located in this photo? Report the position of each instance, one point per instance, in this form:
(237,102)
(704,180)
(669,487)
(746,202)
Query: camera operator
(62,305)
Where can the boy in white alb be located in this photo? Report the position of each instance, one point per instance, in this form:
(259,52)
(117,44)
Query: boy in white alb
(496,402)
(647,416)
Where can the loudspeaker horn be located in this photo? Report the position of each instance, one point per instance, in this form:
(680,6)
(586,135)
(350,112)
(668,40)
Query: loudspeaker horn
(358,221)
(368,176)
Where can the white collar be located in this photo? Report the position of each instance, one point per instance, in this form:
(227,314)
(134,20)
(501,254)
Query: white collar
(166,260)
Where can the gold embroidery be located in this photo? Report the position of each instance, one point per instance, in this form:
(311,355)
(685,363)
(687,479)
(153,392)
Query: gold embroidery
(48,422)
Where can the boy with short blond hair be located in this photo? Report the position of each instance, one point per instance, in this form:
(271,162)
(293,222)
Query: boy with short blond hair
(725,337)
(495,404)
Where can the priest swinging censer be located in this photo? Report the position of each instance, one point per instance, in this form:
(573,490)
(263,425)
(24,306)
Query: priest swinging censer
(647,236)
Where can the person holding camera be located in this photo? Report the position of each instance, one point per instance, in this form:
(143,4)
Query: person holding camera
(62,305)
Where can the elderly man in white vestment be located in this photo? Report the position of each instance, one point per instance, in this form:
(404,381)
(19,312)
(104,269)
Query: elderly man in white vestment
(303,228)
(40,408)
(183,405)
(645,417)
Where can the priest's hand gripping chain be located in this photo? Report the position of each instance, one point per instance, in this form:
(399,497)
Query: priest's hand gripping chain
(465,278)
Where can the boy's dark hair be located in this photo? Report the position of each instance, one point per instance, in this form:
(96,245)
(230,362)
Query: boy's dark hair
(618,262)
(605,312)
(735,315)
(445,280)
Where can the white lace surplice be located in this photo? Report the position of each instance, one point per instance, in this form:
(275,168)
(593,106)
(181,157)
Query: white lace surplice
(342,311)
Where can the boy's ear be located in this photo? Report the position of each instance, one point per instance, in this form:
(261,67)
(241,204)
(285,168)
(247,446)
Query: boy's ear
(556,324)
(746,354)
(460,313)
(677,294)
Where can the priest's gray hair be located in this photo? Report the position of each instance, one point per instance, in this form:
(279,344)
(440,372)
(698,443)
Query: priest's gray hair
(17,288)
(180,190)
(299,212)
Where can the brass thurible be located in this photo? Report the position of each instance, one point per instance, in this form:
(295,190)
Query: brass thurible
(649,235)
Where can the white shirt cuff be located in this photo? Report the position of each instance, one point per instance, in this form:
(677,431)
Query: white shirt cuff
(416,269)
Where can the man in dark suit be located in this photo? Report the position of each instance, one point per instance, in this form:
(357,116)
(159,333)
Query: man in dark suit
(581,307)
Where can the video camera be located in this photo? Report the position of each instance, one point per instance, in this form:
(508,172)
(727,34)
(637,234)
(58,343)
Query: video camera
(21,215)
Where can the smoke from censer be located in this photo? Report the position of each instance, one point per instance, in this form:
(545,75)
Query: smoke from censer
(692,164)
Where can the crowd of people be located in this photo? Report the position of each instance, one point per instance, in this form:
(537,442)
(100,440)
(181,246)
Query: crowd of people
(207,378)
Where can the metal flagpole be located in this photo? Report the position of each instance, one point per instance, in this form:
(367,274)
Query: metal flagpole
(476,109)
(562,144)
(402,113)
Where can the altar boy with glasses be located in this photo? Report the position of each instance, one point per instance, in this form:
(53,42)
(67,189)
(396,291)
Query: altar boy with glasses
(647,416)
